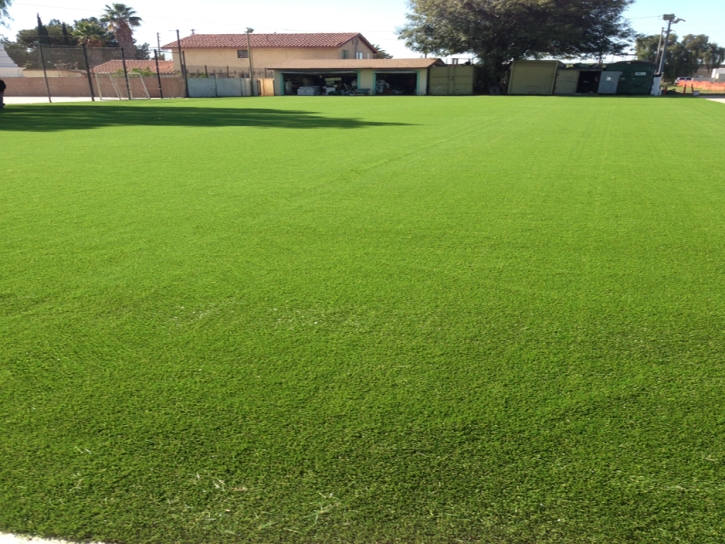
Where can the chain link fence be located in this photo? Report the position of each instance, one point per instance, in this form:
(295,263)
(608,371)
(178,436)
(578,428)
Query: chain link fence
(105,73)
(95,73)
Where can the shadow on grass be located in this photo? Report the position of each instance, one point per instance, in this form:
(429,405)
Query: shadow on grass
(86,116)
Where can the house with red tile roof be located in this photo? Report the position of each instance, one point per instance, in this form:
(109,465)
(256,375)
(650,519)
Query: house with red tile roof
(206,53)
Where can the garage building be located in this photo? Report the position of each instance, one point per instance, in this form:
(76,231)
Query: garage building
(353,76)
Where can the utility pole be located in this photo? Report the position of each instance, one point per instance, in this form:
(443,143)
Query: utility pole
(251,66)
(158,41)
(182,64)
(158,73)
(659,47)
(671,20)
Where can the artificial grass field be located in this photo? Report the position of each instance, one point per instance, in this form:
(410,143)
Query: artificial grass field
(494,319)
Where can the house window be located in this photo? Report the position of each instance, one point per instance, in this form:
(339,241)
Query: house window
(359,55)
(242,54)
(345,54)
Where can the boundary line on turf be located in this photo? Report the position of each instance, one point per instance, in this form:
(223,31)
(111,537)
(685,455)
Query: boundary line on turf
(9,538)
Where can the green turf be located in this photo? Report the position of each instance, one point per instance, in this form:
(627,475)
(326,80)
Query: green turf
(491,319)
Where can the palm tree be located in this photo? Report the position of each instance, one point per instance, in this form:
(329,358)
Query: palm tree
(381,53)
(121,19)
(89,33)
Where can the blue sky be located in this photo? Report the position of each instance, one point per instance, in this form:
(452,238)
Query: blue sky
(376,19)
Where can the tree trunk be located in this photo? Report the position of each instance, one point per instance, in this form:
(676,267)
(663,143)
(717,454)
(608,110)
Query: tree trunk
(124,37)
(492,72)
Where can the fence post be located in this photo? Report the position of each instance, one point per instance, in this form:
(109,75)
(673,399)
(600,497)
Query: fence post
(125,73)
(158,73)
(88,73)
(45,73)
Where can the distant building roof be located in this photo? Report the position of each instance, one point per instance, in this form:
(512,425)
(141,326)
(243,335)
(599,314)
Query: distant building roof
(112,66)
(239,41)
(355,64)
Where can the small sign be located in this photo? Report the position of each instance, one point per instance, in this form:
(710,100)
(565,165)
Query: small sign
(640,73)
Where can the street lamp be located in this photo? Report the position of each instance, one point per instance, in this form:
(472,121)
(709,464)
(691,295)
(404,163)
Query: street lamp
(251,66)
(671,20)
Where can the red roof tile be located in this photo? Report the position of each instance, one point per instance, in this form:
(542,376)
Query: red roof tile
(111,66)
(239,41)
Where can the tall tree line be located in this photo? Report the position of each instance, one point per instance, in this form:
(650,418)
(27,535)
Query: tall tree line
(114,28)
(684,56)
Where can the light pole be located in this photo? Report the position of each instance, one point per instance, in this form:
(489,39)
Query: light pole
(251,66)
(671,20)
(659,47)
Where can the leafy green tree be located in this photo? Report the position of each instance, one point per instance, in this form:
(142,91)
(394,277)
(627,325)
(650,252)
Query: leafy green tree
(684,57)
(142,52)
(143,72)
(90,33)
(4,5)
(709,55)
(43,34)
(66,35)
(20,54)
(50,34)
(497,31)
(24,50)
(121,20)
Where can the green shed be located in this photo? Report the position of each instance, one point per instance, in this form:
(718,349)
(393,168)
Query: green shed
(636,78)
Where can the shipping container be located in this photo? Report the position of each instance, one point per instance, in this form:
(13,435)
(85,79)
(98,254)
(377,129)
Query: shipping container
(452,79)
(636,76)
(535,77)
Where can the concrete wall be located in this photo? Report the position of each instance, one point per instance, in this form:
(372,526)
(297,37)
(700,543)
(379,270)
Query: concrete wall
(220,59)
(32,86)
(52,73)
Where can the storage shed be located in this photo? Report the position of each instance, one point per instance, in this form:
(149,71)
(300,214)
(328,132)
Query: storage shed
(546,77)
(452,79)
(353,76)
(567,81)
(535,77)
